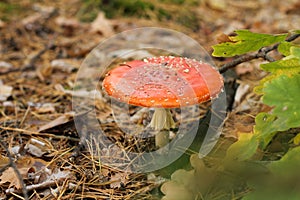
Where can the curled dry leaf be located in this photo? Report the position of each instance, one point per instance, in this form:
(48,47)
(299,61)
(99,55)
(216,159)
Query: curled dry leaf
(10,176)
(221,38)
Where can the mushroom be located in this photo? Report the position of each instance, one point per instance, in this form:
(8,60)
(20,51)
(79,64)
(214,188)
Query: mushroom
(163,82)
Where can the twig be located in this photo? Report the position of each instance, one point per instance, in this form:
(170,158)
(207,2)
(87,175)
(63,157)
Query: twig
(33,59)
(262,53)
(27,132)
(13,165)
(31,62)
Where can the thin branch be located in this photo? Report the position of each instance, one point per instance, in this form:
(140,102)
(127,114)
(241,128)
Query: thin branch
(235,62)
(30,64)
(13,165)
(262,53)
(27,132)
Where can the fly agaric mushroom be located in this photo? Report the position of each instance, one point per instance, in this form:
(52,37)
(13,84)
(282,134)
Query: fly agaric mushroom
(163,82)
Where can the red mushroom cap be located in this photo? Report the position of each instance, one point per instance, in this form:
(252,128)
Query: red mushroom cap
(164,81)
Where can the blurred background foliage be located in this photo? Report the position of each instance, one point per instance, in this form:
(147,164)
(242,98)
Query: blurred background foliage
(7,9)
(178,11)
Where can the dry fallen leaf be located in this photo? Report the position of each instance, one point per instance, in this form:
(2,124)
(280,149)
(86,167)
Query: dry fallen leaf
(38,147)
(102,25)
(4,65)
(223,38)
(118,179)
(9,106)
(29,168)
(69,25)
(65,65)
(3,161)
(245,68)
(5,91)
(42,107)
(46,108)
(9,175)
(2,24)
(217,4)
(93,94)
(67,22)
(26,164)
(51,179)
(241,91)
(32,21)
(58,121)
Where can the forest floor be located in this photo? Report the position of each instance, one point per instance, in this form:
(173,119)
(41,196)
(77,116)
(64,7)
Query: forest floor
(42,47)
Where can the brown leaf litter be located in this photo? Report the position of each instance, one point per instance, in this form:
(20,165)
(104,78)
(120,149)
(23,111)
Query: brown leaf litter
(40,53)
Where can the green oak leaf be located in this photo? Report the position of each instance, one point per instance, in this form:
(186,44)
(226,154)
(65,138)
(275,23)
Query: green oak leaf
(295,51)
(243,149)
(244,42)
(287,66)
(289,49)
(290,65)
(296,139)
(259,89)
(282,181)
(284,48)
(266,126)
(284,93)
(288,165)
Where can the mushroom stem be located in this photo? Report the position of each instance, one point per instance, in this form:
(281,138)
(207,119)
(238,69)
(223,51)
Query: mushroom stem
(162,121)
